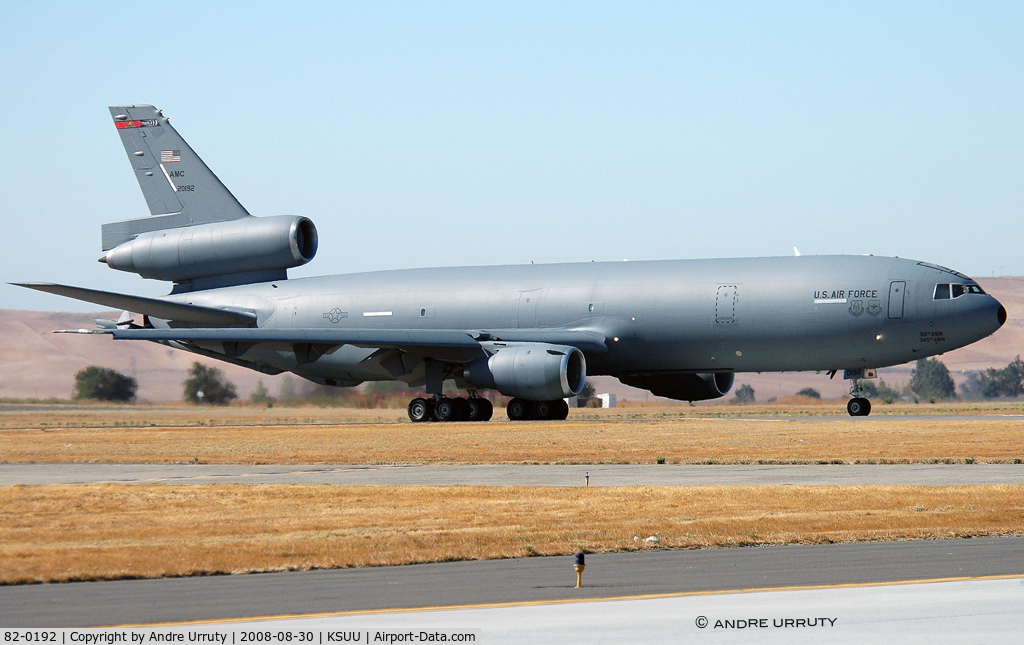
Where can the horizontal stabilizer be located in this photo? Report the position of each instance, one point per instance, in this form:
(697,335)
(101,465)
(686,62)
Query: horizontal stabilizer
(191,314)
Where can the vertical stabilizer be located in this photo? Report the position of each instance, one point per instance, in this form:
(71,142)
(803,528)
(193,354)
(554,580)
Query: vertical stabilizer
(179,188)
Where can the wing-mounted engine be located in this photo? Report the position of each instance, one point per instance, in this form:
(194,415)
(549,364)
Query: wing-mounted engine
(531,371)
(262,245)
(683,387)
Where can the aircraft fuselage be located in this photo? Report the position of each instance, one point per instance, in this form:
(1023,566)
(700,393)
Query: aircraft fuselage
(739,315)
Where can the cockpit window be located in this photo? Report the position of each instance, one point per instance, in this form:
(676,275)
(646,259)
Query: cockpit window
(948,291)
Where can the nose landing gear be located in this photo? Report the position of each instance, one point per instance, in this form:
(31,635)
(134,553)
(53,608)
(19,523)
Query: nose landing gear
(858,406)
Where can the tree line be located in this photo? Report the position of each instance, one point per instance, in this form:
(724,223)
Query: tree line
(930,380)
(204,385)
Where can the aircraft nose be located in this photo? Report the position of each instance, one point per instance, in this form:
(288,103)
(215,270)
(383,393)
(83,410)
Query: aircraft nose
(1002,315)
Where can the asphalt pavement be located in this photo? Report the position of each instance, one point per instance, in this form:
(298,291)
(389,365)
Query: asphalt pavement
(518,475)
(540,579)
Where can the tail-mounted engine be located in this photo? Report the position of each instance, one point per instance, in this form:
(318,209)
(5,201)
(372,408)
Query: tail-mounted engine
(532,371)
(241,246)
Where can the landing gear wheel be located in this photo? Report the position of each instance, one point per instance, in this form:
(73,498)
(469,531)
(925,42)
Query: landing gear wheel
(559,410)
(446,409)
(461,409)
(542,410)
(488,410)
(478,409)
(519,410)
(473,409)
(420,410)
(858,407)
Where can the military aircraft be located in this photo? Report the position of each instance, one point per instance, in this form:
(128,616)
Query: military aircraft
(680,329)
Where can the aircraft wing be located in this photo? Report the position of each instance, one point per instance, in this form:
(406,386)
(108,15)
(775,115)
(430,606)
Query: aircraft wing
(396,338)
(360,337)
(231,326)
(192,314)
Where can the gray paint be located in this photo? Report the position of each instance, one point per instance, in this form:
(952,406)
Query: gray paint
(220,248)
(640,321)
(654,317)
(163,162)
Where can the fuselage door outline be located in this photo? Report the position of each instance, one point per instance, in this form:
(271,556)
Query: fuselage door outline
(897,291)
(725,304)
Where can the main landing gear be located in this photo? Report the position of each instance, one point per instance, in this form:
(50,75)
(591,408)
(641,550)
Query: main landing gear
(442,408)
(475,408)
(858,406)
(522,410)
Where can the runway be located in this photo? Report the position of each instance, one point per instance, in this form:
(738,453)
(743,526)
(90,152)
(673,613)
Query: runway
(549,579)
(981,611)
(518,475)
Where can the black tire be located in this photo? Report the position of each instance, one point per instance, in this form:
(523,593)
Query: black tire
(474,409)
(519,410)
(858,407)
(420,410)
(446,410)
(559,410)
(461,409)
(488,410)
(853,407)
(542,410)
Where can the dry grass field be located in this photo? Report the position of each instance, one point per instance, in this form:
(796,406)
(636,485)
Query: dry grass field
(680,434)
(61,533)
(14,415)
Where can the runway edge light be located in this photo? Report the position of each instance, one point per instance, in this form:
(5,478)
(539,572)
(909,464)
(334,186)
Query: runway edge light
(579,567)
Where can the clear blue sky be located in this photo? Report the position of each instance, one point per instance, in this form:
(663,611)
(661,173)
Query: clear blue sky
(489,133)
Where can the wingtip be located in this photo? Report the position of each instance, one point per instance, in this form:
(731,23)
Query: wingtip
(32,285)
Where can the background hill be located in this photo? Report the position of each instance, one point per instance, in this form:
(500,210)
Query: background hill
(39,364)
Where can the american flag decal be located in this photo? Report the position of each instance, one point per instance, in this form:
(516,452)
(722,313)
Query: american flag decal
(170,156)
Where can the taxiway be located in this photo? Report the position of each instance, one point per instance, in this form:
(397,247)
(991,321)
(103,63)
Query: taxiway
(519,475)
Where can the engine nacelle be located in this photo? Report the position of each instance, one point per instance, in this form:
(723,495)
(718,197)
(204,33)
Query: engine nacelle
(243,245)
(684,387)
(531,371)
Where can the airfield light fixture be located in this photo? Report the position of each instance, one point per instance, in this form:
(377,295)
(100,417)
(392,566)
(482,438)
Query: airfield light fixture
(579,567)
